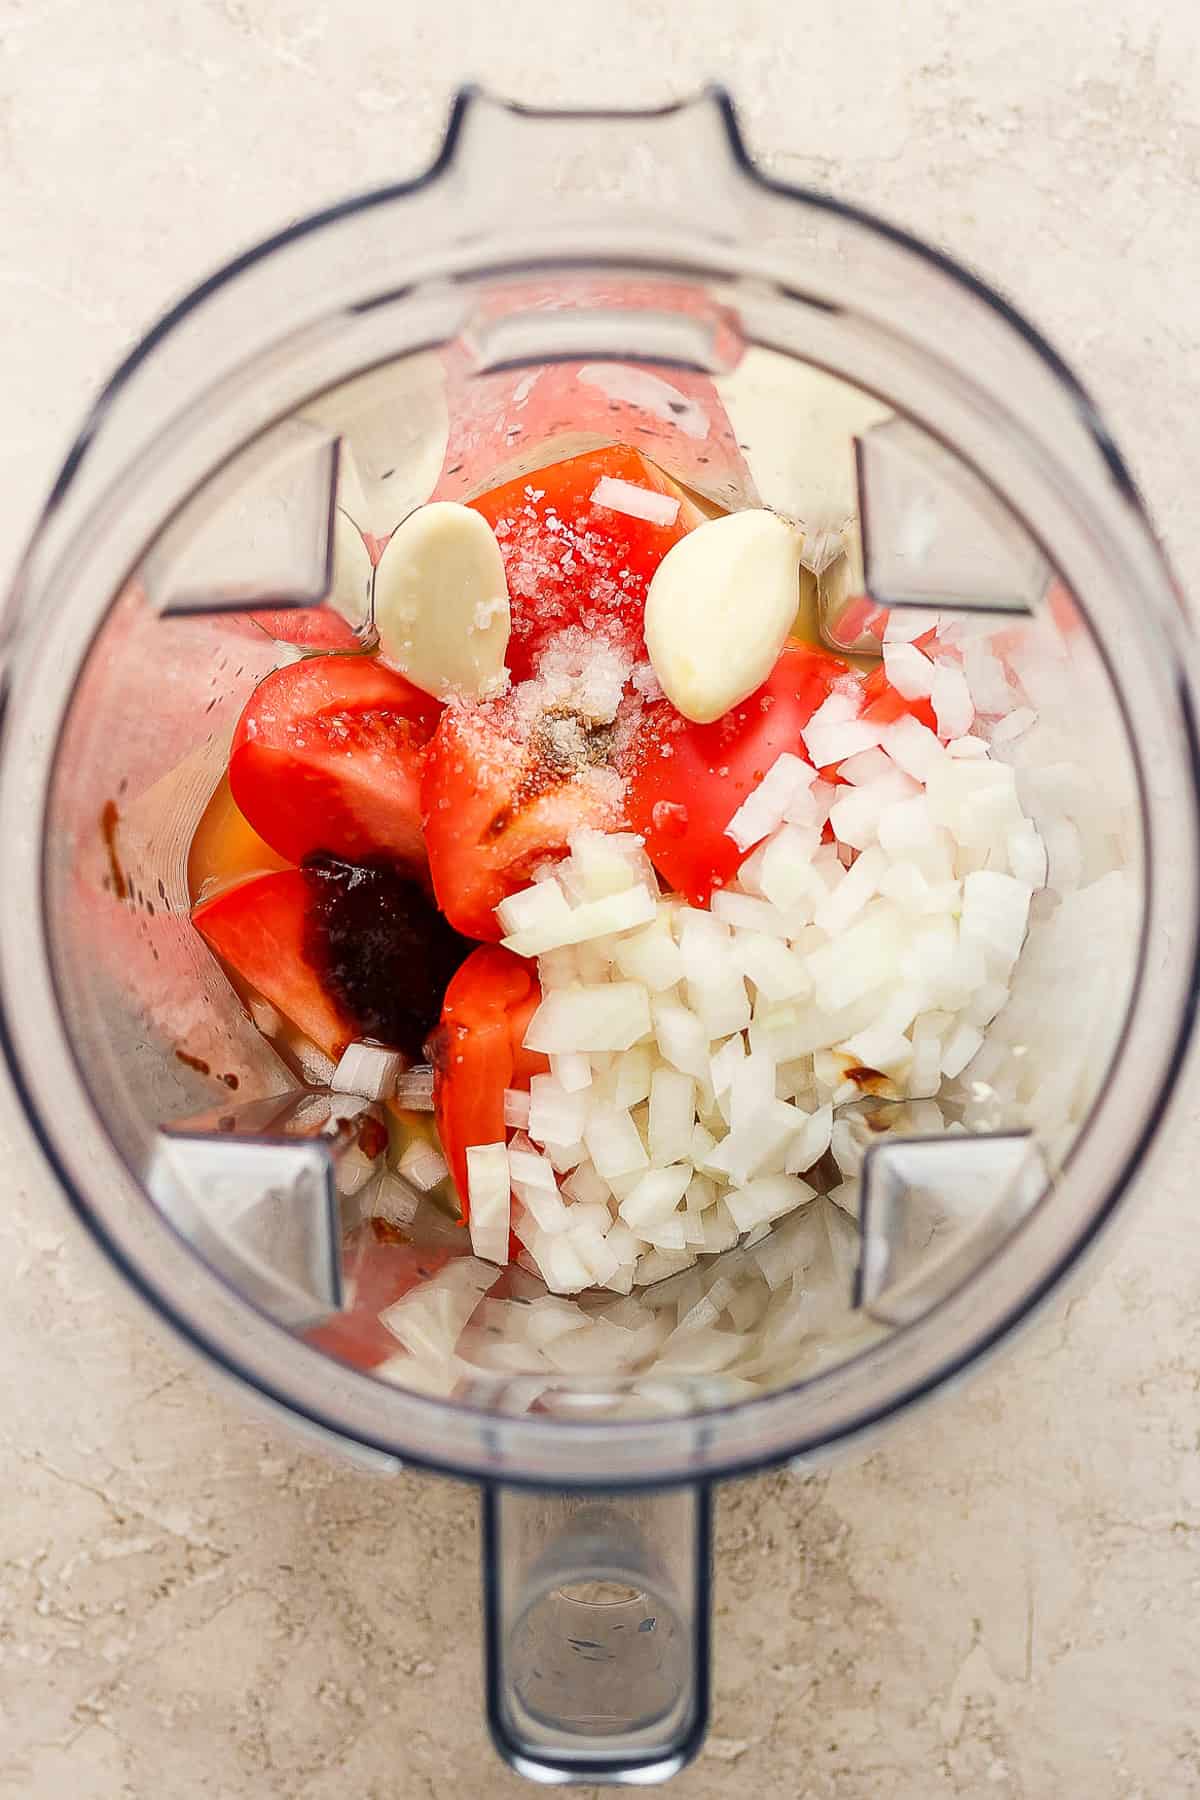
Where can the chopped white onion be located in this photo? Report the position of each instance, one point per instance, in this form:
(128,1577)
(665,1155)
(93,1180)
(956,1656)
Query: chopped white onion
(701,1147)
(752,1090)
(682,1039)
(746,913)
(414,1088)
(657,1265)
(908,671)
(539,908)
(423,1165)
(489,1190)
(636,502)
(655,1197)
(628,1083)
(602,863)
(914,747)
(1013,725)
(951,699)
(651,957)
(353,1171)
(566,1156)
(672,1116)
(582,924)
(516,1109)
(787,875)
(542,1205)
(764,807)
(811,1142)
(1026,854)
(395,1201)
(960,1047)
(768,1198)
(528,1168)
(811,809)
(564,1270)
(745,1151)
(995,913)
(585,1186)
(904,623)
(367,1069)
(610,1016)
(624,1243)
(845,901)
(720,1230)
(555,1116)
(864,768)
(613,1142)
(835,731)
(725,1064)
(571,1070)
(719,1000)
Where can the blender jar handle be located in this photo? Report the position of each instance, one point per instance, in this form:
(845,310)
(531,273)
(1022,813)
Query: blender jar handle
(597,1631)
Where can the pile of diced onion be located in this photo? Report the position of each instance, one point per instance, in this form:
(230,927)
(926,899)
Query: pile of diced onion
(892,948)
(704,1062)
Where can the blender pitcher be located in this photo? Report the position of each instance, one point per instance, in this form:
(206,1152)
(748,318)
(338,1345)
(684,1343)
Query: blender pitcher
(556,282)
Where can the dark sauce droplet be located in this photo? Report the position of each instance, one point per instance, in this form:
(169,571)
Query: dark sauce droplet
(110,818)
(383,951)
(372,1137)
(870,1080)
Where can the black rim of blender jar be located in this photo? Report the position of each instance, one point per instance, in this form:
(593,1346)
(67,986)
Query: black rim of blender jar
(868,1416)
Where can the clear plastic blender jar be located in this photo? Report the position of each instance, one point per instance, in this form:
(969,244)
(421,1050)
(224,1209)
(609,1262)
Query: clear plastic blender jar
(555,282)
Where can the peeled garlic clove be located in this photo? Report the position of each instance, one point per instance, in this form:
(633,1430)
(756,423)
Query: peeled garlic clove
(719,608)
(441,602)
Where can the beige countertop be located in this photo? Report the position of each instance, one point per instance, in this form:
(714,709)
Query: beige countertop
(1004,1597)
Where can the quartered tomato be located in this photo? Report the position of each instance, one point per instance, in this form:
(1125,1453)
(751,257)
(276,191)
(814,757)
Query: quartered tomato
(328,756)
(499,797)
(478,1051)
(571,560)
(383,1268)
(344,950)
(311,627)
(686,781)
(260,929)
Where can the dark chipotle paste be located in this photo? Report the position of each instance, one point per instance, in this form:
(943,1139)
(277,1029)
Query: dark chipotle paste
(383,951)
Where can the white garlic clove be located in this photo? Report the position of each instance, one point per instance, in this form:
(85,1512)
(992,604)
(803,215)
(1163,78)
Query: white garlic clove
(441,602)
(719,609)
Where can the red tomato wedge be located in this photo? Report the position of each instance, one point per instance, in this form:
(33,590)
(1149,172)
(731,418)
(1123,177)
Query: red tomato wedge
(687,781)
(478,1051)
(494,806)
(258,928)
(311,627)
(328,756)
(382,1270)
(572,561)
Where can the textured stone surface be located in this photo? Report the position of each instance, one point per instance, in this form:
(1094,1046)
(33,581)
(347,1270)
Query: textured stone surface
(1004,1598)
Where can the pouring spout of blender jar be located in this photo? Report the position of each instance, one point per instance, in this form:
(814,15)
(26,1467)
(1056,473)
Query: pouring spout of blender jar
(597,1625)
